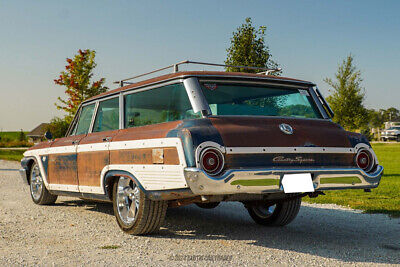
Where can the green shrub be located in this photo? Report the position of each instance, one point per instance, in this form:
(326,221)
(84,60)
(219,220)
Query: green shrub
(15,143)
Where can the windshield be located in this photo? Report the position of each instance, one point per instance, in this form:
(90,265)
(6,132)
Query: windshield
(235,99)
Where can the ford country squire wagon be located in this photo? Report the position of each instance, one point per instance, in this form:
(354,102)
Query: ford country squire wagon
(202,137)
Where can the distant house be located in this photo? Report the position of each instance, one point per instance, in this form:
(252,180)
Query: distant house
(389,124)
(37,134)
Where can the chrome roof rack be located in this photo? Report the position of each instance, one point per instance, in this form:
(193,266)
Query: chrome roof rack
(175,68)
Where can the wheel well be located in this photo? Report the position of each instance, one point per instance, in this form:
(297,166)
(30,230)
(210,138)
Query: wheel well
(108,186)
(28,170)
(112,176)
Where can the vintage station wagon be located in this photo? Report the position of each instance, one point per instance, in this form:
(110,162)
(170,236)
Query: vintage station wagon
(202,137)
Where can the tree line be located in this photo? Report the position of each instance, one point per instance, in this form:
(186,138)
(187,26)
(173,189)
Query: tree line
(248,47)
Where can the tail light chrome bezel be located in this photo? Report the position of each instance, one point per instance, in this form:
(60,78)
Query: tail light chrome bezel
(212,149)
(365,154)
(214,159)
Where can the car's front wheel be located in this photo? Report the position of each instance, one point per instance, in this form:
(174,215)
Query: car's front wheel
(279,214)
(39,193)
(136,214)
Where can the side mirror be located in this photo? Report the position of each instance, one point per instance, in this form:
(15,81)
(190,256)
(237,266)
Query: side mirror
(48,135)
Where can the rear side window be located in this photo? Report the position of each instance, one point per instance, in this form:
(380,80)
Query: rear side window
(107,117)
(85,119)
(163,104)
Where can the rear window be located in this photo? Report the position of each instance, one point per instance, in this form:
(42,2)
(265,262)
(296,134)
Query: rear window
(229,99)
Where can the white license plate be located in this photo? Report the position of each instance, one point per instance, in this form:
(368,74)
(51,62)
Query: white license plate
(297,183)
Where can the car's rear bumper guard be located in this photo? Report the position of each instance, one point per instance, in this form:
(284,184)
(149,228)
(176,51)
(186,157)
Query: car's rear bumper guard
(22,173)
(269,180)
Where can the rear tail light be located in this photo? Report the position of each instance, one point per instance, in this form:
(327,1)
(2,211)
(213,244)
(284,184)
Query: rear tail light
(364,160)
(212,161)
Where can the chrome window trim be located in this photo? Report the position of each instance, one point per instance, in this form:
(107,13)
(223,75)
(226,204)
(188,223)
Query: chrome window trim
(318,102)
(196,96)
(265,116)
(121,111)
(267,78)
(88,103)
(256,83)
(93,117)
(146,88)
(74,122)
(324,103)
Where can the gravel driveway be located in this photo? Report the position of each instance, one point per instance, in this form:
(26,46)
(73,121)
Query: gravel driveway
(75,232)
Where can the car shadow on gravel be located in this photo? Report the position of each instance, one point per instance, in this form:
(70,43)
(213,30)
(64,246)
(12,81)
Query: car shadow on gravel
(89,205)
(339,234)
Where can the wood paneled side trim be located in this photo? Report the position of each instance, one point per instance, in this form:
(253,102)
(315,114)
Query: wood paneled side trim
(143,156)
(62,169)
(90,165)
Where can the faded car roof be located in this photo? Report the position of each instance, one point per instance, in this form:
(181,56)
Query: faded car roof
(219,74)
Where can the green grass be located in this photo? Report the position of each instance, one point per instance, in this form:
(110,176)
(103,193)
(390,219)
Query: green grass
(384,199)
(12,139)
(12,136)
(9,154)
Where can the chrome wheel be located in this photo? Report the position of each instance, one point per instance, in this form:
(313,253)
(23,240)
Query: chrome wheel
(128,200)
(36,183)
(264,211)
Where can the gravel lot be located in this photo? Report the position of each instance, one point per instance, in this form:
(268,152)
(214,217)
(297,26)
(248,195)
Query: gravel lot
(75,232)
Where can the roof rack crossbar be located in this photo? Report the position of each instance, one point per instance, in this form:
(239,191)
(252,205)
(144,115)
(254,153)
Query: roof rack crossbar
(175,68)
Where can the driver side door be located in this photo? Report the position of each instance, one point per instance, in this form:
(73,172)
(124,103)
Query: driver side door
(62,159)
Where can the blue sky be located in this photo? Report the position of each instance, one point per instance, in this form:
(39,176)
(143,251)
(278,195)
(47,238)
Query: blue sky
(307,38)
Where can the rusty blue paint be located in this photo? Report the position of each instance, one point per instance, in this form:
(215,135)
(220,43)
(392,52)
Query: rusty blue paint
(193,133)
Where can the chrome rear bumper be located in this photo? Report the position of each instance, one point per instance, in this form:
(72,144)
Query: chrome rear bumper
(269,180)
(22,173)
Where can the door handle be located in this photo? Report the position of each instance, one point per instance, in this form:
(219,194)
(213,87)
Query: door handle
(106,139)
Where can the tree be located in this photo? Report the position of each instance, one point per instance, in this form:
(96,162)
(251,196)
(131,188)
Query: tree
(248,48)
(376,119)
(347,98)
(58,127)
(391,114)
(77,79)
(22,136)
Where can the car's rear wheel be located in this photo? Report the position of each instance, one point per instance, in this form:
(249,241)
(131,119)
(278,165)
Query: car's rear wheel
(39,193)
(136,214)
(209,205)
(278,214)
